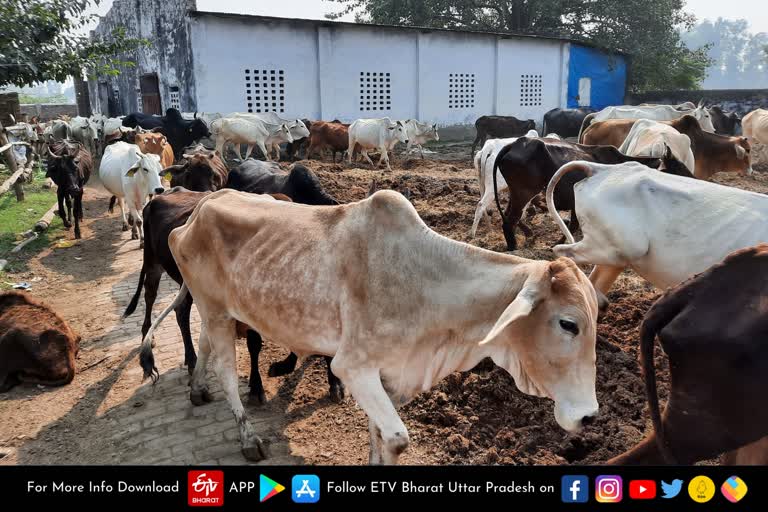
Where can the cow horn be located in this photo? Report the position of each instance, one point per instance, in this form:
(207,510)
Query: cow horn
(740,152)
(53,155)
(174,168)
(195,116)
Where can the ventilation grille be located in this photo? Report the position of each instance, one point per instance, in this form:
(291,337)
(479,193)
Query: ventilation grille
(375,90)
(175,99)
(461,90)
(530,90)
(265,90)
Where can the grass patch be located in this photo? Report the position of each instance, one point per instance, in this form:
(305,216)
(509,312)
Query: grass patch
(18,217)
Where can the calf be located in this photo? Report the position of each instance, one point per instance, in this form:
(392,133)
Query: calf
(328,135)
(664,227)
(250,131)
(69,166)
(528,164)
(381,134)
(408,306)
(712,327)
(36,345)
(300,184)
(130,176)
(155,144)
(500,127)
(419,133)
(200,169)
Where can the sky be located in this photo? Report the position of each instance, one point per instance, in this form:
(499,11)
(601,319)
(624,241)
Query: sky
(754,11)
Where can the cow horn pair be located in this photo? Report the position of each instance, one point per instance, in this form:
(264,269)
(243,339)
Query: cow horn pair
(53,155)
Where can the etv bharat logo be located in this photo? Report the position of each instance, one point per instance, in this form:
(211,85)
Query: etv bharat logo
(205,488)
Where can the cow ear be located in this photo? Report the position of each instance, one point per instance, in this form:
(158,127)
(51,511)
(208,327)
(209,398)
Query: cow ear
(132,171)
(520,308)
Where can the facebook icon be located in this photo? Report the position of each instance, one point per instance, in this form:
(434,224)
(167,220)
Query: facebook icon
(575,489)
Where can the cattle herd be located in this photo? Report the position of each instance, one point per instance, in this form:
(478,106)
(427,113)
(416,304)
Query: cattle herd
(395,307)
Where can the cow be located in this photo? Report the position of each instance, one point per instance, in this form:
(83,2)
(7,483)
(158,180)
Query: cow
(69,166)
(712,328)
(755,126)
(528,164)
(250,131)
(725,123)
(712,153)
(200,169)
(483,163)
(86,133)
(130,176)
(22,137)
(500,127)
(664,227)
(654,139)
(299,128)
(655,112)
(334,136)
(162,215)
(300,184)
(686,105)
(409,306)
(294,149)
(156,144)
(60,130)
(566,122)
(179,131)
(381,134)
(419,133)
(36,344)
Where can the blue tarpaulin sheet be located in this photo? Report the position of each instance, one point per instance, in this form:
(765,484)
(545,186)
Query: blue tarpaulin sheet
(607,73)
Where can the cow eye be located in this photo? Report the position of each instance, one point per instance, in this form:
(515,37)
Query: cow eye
(569,326)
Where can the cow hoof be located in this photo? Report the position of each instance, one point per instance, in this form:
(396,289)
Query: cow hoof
(257,398)
(337,393)
(134,236)
(279,369)
(201,397)
(256,453)
(125,226)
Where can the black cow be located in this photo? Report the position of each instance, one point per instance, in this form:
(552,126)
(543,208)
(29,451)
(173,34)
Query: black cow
(70,167)
(180,132)
(300,184)
(528,164)
(566,122)
(726,123)
(500,127)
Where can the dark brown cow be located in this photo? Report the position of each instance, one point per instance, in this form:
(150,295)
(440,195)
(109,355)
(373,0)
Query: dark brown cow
(200,169)
(70,167)
(500,127)
(713,153)
(528,164)
(36,345)
(713,329)
(334,136)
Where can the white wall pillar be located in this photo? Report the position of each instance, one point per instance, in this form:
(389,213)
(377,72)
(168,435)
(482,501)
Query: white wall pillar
(324,72)
(565,59)
(496,76)
(420,91)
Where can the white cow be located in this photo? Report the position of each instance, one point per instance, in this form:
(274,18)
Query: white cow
(398,306)
(664,227)
(85,132)
(484,161)
(250,131)
(271,120)
(419,133)
(132,177)
(651,138)
(60,130)
(381,134)
(207,117)
(655,112)
(754,126)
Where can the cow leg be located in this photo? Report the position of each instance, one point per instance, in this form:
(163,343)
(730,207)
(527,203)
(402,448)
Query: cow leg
(421,150)
(256,396)
(151,284)
(78,213)
(335,386)
(284,367)
(375,448)
(512,217)
(121,203)
(183,311)
(366,387)
(222,338)
(62,212)
(602,278)
(264,150)
(199,394)
(68,200)
(482,207)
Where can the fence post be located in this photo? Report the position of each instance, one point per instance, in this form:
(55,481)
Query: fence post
(10,161)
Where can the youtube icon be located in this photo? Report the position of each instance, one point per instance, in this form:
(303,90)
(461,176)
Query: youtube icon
(642,489)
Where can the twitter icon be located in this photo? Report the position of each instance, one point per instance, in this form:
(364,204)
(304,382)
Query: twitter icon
(671,490)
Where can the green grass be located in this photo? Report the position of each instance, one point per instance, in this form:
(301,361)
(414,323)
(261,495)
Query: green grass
(18,217)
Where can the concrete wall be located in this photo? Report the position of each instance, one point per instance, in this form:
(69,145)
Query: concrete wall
(323,65)
(741,101)
(164,24)
(48,111)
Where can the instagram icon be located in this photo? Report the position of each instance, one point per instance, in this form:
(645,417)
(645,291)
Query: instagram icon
(608,489)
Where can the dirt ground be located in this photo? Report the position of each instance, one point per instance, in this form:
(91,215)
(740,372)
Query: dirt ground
(474,417)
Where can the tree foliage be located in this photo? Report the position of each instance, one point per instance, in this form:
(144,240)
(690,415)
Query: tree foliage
(45,40)
(648,30)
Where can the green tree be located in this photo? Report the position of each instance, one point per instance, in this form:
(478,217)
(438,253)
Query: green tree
(45,40)
(648,30)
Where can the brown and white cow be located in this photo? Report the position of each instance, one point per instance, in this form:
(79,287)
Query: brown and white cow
(156,144)
(398,306)
(712,327)
(36,344)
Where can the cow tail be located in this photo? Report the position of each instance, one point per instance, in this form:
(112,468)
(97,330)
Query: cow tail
(571,166)
(660,314)
(146,358)
(135,299)
(584,125)
(112,201)
(496,165)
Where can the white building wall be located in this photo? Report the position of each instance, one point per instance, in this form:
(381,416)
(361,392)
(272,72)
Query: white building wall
(323,63)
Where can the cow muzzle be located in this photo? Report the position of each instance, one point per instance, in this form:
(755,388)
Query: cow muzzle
(573,417)
(159,190)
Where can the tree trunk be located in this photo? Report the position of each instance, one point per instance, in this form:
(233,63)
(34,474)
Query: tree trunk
(10,161)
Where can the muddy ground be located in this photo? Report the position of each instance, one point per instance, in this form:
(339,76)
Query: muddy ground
(474,417)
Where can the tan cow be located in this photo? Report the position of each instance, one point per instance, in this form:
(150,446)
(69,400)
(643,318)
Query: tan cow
(398,306)
(156,144)
(755,128)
